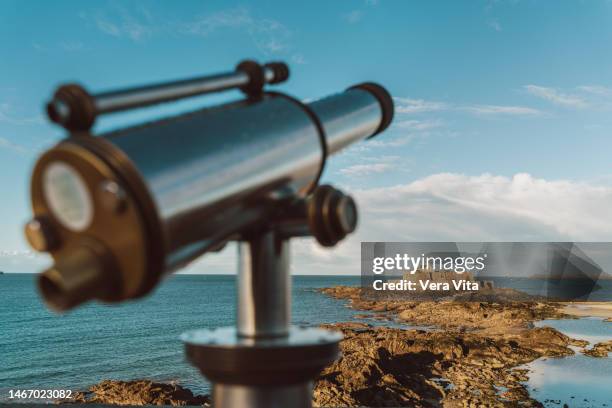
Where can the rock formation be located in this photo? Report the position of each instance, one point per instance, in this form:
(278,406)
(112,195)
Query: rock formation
(471,362)
(600,349)
(138,392)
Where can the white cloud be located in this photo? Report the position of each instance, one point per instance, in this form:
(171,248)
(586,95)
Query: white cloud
(418,125)
(501,110)
(596,90)
(7,253)
(207,24)
(491,20)
(486,207)
(353,17)
(20,261)
(270,36)
(594,97)
(494,24)
(409,105)
(528,207)
(122,23)
(7,144)
(7,116)
(374,165)
(416,106)
(360,170)
(455,207)
(298,59)
(385,142)
(556,97)
(71,46)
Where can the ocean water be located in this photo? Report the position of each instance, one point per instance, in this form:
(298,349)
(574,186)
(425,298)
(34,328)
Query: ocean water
(42,350)
(578,380)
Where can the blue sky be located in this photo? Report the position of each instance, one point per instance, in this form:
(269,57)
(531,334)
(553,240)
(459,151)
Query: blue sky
(485,91)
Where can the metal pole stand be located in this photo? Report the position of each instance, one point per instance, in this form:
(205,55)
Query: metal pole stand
(264,361)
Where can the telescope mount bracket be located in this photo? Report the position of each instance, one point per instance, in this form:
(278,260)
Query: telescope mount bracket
(264,361)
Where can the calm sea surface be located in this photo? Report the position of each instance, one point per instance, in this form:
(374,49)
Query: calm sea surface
(39,349)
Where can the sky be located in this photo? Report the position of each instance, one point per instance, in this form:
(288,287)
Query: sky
(503,108)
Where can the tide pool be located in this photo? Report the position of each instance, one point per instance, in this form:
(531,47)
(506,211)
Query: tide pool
(578,380)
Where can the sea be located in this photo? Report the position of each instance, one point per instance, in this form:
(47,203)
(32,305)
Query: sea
(140,339)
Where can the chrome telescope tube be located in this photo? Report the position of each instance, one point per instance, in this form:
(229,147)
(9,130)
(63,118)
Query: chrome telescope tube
(144,201)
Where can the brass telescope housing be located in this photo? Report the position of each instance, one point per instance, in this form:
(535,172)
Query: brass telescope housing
(119,210)
(113,258)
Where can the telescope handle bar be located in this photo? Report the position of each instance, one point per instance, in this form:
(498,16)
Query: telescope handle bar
(75,109)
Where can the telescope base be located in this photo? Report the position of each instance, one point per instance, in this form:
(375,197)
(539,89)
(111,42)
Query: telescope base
(262,372)
(297,395)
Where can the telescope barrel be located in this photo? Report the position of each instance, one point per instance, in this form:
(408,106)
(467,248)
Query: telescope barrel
(75,109)
(278,157)
(348,116)
(158,195)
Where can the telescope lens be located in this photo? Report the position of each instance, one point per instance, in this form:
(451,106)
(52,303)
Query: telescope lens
(68,197)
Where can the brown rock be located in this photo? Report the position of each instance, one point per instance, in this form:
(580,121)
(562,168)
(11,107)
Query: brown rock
(471,362)
(138,392)
(392,367)
(599,349)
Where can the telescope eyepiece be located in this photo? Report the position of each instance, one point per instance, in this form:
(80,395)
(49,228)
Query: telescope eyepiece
(72,107)
(280,72)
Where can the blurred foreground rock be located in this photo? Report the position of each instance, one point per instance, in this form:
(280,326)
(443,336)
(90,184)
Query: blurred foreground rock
(138,392)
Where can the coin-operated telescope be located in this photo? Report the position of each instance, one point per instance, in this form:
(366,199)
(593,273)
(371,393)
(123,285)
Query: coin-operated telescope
(120,210)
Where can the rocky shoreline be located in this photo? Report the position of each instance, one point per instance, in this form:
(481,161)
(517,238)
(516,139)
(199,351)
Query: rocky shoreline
(471,357)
